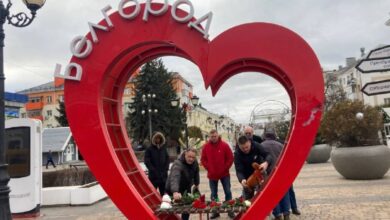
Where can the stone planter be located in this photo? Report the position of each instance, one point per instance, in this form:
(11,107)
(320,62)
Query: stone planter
(362,163)
(319,154)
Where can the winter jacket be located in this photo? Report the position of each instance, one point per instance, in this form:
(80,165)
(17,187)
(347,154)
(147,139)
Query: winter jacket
(182,176)
(243,162)
(274,148)
(217,158)
(157,161)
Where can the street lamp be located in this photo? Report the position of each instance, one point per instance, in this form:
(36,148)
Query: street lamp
(194,102)
(17,20)
(148,100)
(216,122)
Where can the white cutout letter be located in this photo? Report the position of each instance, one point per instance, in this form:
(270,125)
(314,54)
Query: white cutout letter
(92,26)
(68,70)
(196,24)
(132,15)
(186,18)
(78,44)
(148,9)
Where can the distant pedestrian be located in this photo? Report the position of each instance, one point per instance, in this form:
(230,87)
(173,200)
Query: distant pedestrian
(217,158)
(247,153)
(50,160)
(157,161)
(282,210)
(183,176)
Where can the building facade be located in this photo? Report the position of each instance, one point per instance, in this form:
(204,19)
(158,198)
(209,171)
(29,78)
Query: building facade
(13,103)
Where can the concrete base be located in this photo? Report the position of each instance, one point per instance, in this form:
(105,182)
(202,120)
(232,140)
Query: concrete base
(361,163)
(319,154)
(73,195)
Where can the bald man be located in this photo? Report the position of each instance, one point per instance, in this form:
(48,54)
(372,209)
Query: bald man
(248,131)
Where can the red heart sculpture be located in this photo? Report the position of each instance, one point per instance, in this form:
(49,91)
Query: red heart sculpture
(94,107)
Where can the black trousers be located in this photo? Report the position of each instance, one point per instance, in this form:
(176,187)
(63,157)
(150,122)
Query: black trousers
(160,186)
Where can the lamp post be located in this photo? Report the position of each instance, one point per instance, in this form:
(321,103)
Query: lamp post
(17,20)
(148,100)
(194,102)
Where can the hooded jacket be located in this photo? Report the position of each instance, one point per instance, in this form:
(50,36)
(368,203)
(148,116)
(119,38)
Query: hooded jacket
(182,176)
(157,160)
(217,158)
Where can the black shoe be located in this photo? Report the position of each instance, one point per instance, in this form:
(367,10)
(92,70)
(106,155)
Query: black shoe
(231,214)
(296,212)
(214,215)
(280,217)
(286,217)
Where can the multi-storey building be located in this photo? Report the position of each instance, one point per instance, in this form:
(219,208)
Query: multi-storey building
(43,101)
(352,81)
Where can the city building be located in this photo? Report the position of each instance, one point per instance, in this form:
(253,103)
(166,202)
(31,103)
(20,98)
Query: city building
(13,103)
(43,101)
(352,81)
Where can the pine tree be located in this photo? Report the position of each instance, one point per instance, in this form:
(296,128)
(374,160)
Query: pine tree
(154,78)
(61,119)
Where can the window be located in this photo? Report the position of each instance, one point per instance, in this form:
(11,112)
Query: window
(33,113)
(49,113)
(127,91)
(387,101)
(48,99)
(35,99)
(61,98)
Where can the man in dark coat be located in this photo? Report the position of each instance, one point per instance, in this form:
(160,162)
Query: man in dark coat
(274,147)
(184,174)
(157,161)
(247,153)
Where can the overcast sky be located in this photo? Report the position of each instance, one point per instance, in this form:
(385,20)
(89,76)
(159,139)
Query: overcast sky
(334,29)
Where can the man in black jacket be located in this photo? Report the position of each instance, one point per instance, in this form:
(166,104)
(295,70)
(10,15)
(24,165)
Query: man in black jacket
(184,174)
(157,161)
(247,153)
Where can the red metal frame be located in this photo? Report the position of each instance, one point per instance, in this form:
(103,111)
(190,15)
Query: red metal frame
(94,112)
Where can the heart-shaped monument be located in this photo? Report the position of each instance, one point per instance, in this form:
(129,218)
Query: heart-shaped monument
(104,60)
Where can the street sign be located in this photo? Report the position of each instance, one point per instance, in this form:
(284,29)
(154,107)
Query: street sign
(374,65)
(376,88)
(379,52)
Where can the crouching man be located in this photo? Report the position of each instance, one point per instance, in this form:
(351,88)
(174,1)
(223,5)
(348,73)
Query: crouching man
(184,174)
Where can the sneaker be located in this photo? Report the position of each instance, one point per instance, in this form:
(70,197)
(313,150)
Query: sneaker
(231,214)
(286,217)
(296,212)
(214,215)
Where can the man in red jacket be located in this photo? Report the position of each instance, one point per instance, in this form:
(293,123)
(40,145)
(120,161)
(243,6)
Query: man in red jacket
(217,158)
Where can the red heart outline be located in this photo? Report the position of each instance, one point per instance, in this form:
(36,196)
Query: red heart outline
(94,107)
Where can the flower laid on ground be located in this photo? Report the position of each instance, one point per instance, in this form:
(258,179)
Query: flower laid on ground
(200,203)
(166,202)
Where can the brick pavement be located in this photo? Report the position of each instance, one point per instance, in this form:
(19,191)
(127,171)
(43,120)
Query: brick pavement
(321,193)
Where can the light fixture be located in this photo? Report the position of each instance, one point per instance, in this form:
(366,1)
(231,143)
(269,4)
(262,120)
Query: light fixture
(195,100)
(34,5)
(175,102)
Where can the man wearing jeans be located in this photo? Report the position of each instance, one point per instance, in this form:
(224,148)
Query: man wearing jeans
(217,158)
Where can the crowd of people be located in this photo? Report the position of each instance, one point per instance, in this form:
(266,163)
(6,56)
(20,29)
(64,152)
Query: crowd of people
(217,159)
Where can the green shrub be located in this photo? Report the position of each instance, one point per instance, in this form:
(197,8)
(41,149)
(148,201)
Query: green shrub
(341,128)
